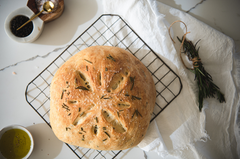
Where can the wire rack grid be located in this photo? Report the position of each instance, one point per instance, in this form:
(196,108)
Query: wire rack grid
(109,30)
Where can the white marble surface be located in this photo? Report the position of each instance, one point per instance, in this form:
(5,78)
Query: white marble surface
(20,62)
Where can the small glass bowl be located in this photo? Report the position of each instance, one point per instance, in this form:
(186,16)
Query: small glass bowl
(38,25)
(21,128)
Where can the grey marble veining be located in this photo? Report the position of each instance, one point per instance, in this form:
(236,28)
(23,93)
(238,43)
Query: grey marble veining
(145,155)
(32,58)
(195,6)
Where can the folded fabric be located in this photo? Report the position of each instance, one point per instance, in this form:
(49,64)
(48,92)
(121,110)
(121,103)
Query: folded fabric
(181,129)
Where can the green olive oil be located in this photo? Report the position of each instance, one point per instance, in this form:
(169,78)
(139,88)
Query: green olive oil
(15,144)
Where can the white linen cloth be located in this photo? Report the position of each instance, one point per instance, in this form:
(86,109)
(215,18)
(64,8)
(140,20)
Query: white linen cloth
(181,130)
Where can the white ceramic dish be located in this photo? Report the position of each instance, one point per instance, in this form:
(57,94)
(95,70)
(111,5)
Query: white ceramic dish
(22,128)
(38,25)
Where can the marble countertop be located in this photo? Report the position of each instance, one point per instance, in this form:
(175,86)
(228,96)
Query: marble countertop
(21,62)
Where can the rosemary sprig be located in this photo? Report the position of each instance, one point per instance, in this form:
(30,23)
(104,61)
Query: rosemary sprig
(111,58)
(72,101)
(88,61)
(103,96)
(64,90)
(123,105)
(83,130)
(132,81)
(205,83)
(95,129)
(107,98)
(107,134)
(135,98)
(65,107)
(118,114)
(82,88)
(137,113)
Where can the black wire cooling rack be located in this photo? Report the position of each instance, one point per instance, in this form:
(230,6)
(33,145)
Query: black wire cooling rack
(109,30)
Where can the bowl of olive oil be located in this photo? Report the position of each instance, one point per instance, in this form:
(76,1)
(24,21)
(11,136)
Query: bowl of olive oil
(16,142)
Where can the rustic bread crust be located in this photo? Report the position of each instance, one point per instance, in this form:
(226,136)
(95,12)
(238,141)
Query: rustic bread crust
(102,98)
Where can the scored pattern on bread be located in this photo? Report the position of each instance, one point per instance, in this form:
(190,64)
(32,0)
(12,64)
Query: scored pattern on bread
(117,83)
(102,98)
(116,125)
(81,82)
(82,116)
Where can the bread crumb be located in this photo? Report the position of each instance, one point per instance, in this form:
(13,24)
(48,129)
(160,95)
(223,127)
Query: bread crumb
(14,73)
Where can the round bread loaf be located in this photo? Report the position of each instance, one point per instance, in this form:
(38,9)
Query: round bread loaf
(102,98)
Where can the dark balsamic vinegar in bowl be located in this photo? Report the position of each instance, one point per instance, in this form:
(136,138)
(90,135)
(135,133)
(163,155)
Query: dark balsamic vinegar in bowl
(28,33)
(16,22)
